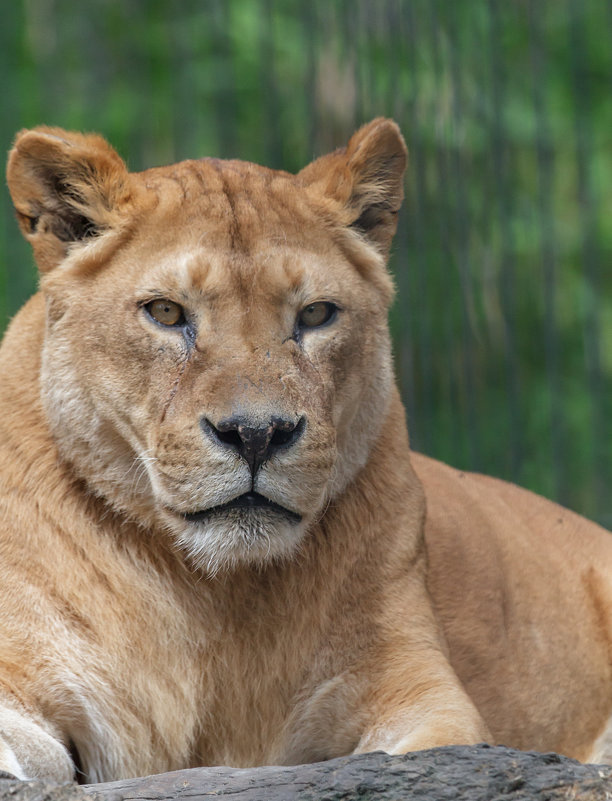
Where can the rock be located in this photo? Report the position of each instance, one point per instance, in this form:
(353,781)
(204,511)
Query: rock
(456,773)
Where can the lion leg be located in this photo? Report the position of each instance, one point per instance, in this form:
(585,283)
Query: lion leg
(410,731)
(413,716)
(27,751)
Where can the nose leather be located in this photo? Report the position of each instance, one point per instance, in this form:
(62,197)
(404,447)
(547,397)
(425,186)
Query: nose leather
(255,444)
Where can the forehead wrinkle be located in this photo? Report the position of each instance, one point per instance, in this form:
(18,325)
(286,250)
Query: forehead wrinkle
(176,271)
(217,278)
(245,272)
(258,204)
(197,270)
(247,207)
(294,272)
(305,275)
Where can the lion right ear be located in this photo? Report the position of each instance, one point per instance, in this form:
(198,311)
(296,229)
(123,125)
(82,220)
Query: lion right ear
(66,188)
(363,183)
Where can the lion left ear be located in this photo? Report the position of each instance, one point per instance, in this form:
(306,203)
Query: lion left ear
(364,180)
(66,188)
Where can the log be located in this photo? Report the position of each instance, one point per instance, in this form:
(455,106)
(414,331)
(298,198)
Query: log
(456,773)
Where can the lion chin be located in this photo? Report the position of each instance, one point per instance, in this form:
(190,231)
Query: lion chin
(248,531)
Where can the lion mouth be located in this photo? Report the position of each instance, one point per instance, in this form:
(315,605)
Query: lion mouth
(250,501)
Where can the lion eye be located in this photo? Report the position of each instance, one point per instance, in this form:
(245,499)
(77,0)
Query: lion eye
(317,314)
(166,312)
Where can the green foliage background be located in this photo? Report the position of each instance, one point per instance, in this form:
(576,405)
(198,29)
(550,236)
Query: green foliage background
(503,321)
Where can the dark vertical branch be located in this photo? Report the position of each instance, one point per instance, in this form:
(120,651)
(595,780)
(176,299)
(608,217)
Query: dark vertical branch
(310,18)
(415,266)
(502,198)
(272,107)
(350,20)
(404,257)
(446,244)
(590,256)
(545,159)
(13,249)
(460,181)
(225,94)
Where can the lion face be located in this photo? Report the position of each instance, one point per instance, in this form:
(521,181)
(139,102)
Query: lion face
(216,361)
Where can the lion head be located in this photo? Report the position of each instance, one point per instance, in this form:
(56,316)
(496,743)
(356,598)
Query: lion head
(216,360)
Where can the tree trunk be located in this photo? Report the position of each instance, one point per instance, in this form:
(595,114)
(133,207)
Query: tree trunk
(457,773)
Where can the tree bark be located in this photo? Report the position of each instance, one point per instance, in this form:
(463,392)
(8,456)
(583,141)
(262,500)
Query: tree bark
(457,773)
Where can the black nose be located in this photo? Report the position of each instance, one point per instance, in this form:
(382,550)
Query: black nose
(255,444)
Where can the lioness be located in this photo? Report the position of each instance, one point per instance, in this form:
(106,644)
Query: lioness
(214,545)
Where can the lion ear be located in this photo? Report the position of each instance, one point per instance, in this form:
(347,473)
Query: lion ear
(366,180)
(66,188)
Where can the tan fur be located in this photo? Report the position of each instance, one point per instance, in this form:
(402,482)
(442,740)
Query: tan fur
(145,642)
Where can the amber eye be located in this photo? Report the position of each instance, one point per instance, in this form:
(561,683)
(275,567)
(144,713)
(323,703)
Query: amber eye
(317,314)
(166,312)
